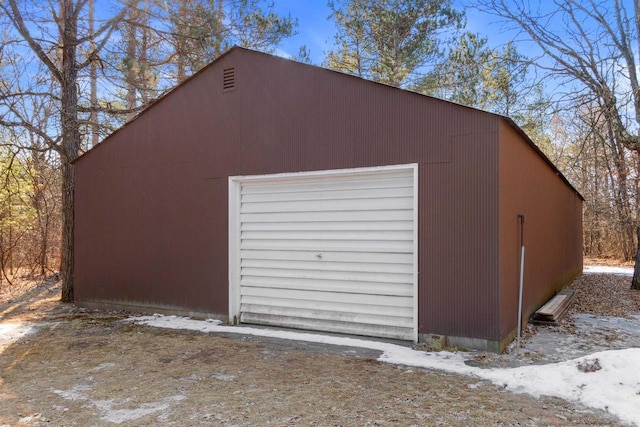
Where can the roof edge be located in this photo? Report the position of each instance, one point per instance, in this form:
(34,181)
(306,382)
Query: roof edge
(508,120)
(159,99)
(537,149)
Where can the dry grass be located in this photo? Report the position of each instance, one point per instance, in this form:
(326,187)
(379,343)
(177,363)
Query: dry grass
(89,368)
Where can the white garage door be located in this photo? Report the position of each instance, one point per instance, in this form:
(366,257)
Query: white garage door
(329,251)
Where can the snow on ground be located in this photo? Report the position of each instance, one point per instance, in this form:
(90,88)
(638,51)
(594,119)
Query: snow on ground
(592,333)
(109,407)
(607,380)
(13,331)
(604,269)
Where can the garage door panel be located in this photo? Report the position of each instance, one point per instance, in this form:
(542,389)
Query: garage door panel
(341,297)
(314,236)
(369,258)
(330,194)
(329,226)
(330,245)
(378,203)
(327,275)
(337,286)
(332,252)
(304,184)
(325,265)
(382,331)
(340,316)
(351,216)
(329,306)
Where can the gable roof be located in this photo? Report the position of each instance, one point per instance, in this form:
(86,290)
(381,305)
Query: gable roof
(338,74)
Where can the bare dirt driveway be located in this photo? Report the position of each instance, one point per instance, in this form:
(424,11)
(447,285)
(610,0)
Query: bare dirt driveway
(80,368)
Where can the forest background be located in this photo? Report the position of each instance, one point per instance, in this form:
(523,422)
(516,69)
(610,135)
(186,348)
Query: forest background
(73,71)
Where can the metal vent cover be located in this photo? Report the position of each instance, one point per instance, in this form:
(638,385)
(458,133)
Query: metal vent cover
(228,79)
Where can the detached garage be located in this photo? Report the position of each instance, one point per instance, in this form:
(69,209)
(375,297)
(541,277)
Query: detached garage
(271,192)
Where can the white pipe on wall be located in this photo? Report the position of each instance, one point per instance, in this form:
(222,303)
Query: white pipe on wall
(521,217)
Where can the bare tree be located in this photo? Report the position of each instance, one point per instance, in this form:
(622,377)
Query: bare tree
(590,44)
(584,150)
(164,42)
(93,80)
(55,58)
(35,32)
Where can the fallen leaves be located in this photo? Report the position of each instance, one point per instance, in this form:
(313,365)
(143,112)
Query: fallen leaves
(605,295)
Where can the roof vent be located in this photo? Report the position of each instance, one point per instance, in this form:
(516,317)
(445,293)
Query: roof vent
(228,79)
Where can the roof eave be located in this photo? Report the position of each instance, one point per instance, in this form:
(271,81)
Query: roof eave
(537,149)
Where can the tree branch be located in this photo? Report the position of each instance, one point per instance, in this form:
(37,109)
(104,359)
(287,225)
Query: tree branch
(18,22)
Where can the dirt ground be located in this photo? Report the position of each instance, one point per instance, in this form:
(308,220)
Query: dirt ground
(81,368)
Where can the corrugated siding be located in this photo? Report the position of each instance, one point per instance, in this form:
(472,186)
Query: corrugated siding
(458,229)
(330,253)
(151,201)
(552,229)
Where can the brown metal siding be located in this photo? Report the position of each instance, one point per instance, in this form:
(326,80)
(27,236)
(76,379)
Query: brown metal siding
(143,229)
(151,203)
(553,229)
(458,239)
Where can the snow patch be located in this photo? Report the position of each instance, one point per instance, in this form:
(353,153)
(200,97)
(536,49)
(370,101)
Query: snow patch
(110,408)
(603,269)
(30,419)
(615,387)
(103,366)
(74,393)
(12,331)
(117,416)
(223,377)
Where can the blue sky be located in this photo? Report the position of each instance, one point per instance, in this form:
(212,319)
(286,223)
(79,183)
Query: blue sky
(316,32)
(314,29)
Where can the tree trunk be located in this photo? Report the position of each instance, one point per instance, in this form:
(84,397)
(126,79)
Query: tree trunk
(10,249)
(181,48)
(70,144)
(143,69)
(93,79)
(67,255)
(635,282)
(131,65)
(42,258)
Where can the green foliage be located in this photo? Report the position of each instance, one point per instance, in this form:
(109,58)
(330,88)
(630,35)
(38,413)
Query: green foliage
(507,80)
(16,190)
(304,55)
(389,40)
(203,29)
(538,119)
(196,30)
(495,80)
(463,76)
(253,25)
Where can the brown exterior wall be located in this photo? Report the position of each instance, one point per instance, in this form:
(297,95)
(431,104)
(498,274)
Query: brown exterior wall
(151,201)
(552,229)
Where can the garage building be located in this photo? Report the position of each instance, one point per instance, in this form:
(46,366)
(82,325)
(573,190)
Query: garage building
(272,192)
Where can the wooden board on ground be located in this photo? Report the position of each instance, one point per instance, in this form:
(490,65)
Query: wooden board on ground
(554,309)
